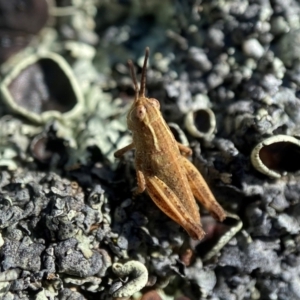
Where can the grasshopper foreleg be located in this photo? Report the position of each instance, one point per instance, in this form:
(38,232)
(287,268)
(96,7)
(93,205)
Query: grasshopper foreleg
(140,177)
(123,150)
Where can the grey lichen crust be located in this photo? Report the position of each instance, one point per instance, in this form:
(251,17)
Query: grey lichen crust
(138,277)
(59,205)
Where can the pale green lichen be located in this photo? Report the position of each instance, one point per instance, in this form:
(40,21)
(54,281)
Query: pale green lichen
(84,244)
(225,238)
(138,274)
(264,164)
(43,117)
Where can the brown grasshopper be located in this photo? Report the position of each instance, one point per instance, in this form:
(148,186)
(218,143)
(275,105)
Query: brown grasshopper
(162,169)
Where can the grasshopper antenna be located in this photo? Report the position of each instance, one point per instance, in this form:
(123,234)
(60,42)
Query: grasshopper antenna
(144,70)
(133,77)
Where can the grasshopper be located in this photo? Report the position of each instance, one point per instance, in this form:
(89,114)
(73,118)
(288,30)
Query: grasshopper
(162,168)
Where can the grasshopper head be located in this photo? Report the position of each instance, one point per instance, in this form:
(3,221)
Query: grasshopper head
(143,110)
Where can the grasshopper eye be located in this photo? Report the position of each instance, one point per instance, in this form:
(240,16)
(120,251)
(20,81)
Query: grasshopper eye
(154,102)
(141,112)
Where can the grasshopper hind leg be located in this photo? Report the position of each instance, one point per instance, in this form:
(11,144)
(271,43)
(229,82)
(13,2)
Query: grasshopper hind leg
(201,191)
(169,203)
(184,150)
